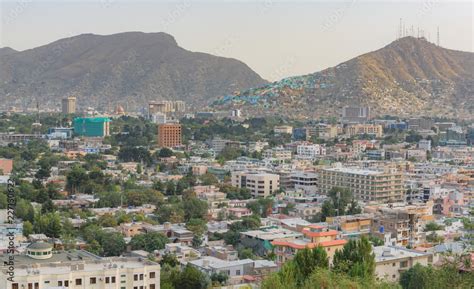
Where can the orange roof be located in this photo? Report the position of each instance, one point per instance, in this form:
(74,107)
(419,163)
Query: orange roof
(333,243)
(309,233)
(309,245)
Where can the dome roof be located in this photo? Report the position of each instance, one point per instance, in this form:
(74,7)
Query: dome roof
(40,246)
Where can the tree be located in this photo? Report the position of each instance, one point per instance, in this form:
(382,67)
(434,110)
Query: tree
(54,228)
(165,153)
(169,259)
(149,241)
(192,278)
(208,179)
(197,226)
(219,279)
(113,244)
(194,208)
(27,228)
(355,259)
(432,226)
(307,260)
(197,241)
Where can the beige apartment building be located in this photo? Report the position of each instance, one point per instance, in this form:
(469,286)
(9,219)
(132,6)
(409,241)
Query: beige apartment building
(260,184)
(361,129)
(41,268)
(365,185)
(391,262)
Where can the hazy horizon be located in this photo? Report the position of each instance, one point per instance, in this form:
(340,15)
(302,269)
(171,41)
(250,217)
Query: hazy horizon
(275,38)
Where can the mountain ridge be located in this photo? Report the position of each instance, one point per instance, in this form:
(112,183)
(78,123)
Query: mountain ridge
(405,77)
(129,68)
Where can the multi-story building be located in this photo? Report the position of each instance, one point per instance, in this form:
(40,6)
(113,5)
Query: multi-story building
(169,135)
(260,184)
(366,185)
(39,268)
(352,225)
(374,130)
(280,154)
(305,181)
(401,224)
(310,151)
(355,114)
(314,236)
(283,129)
(391,261)
(92,126)
(158,118)
(68,105)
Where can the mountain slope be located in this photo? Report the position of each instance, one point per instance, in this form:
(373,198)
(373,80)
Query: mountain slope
(126,68)
(410,76)
(7,51)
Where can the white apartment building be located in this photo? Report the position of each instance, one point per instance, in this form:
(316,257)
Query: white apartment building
(260,184)
(310,151)
(280,154)
(391,261)
(283,129)
(305,181)
(40,268)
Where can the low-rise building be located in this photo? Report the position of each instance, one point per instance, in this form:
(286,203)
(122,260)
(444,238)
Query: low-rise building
(40,268)
(391,261)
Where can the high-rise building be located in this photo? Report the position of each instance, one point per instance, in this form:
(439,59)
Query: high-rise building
(355,114)
(366,185)
(179,106)
(169,135)
(69,105)
(92,126)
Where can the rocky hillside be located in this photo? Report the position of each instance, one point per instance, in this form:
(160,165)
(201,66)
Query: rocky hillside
(410,76)
(127,68)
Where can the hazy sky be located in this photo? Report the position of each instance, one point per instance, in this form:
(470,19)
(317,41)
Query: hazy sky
(275,38)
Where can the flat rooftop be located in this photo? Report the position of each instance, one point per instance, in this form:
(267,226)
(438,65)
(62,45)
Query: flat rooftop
(388,253)
(62,263)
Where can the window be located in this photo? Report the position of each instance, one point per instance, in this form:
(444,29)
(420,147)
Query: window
(107,280)
(135,277)
(152,286)
(66,283)
(393,264)
(93,280)
(78,281)
(403,264)
(152,275)
(30,285)
(60,283)
(113,279)
(37,285)
(15,286)
(237,272)
(141,276)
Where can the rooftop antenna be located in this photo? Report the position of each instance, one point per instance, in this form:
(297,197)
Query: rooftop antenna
(437,37)
(418,35)
(400,29)
(404,31)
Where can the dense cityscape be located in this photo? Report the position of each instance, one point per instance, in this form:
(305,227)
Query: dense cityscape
(258,144)
(176,199)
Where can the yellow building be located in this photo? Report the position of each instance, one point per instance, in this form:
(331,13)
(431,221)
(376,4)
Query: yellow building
(361,129)
(366,185)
